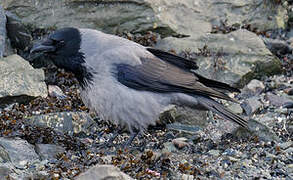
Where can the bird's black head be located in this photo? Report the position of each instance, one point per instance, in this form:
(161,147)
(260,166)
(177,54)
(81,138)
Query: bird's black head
(63,48)
(61,43)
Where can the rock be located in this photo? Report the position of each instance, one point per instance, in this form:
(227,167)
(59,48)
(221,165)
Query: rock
(258,129)
(169,147)
(187,177)
(289,150)
(185,116)
(289,91)
(235,58)
(4,171)
(2,31)
(251,105)
(65,122)
(8,48)
(166,17)
(286,145)
(183,127)
(189,116)
(197,17)
(109,16)
(19,82)
(101,172)
(18,34)
(17,151)
(55,91)
(214,152)
(48,151)
(253,88)
(278,101)
(236,108)
(277,47)
(180,142)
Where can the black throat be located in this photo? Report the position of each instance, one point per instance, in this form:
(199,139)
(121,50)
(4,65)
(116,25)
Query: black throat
(76,65)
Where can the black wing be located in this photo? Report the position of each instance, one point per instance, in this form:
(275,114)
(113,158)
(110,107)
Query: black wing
(160,76)
(173,59)
(157,75)
(190,65)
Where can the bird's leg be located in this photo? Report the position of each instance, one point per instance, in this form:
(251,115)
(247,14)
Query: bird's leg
(112,138)
(131,138)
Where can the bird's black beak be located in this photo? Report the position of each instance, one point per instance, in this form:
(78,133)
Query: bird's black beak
(44,47)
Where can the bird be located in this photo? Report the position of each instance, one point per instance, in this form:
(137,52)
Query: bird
(129,84)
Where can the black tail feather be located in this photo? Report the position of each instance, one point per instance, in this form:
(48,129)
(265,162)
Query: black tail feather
(216,84)
(222,111)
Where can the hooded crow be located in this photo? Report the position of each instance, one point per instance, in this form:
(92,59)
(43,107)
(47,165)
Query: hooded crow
(129,84)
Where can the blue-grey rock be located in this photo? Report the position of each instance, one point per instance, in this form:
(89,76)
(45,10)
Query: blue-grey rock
(279,101)
(251,105)
(2,31)
(48,151)
(66,122)
(19,81)
(103,172)
(253,88)
(18,151)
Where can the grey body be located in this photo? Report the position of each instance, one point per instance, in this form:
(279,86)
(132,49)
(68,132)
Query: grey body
(129,84)
(112,100)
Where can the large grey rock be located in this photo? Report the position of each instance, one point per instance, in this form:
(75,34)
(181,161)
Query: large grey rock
(2,31)
(110,16)
(253,88)
(234,58)
(184,116)
(191,17)
(102,172)
(19,81)
(196,17)
(251,105)
(278,101)
(17,151)
(65,122)
(48,151)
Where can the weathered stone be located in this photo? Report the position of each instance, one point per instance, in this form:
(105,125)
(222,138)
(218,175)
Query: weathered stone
(164,16)
(8,48)
(251,105)
(253,88)
(258,129)
(278,101)
(185,116)
(2,31)
(180,142)
(234,58)
(236,108)
(66,122)
(101,172)
(48,151)
(55,91)
(19,81)
(109,16)
(17,151)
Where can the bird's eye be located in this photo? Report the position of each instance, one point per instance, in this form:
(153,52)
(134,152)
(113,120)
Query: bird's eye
(61,43)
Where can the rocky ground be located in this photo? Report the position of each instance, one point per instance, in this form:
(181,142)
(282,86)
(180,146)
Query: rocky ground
(48,133)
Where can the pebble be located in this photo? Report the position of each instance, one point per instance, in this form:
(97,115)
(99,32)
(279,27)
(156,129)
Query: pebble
(289,150)
(251,105)
(286,145)
(214,152)
(180,142)
(55,91)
